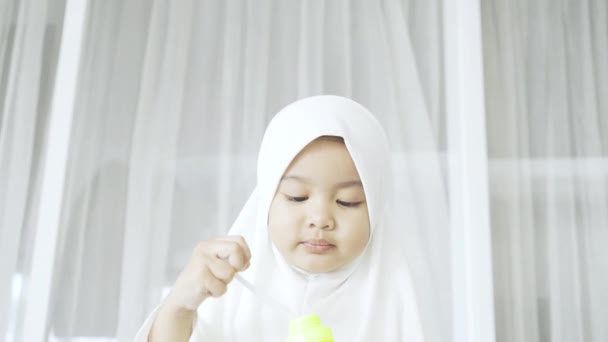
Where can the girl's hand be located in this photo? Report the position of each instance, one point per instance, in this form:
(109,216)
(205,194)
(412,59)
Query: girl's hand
(210,269)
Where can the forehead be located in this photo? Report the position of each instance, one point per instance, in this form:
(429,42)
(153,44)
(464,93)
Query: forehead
(325,158)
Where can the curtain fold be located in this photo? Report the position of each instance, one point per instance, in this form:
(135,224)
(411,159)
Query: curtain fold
(29,43)
(546,80)
(86,288)
(152,162)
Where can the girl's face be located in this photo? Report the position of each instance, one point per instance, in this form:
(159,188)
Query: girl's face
(318,218)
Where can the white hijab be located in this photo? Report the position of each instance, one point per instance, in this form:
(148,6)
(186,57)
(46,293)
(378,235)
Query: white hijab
(371,299)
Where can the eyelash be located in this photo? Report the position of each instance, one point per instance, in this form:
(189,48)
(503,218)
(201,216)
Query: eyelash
(342,203)
(296,198)
(348,204)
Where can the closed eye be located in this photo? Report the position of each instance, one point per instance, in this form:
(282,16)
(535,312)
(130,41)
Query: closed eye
(349,204)
(295,198)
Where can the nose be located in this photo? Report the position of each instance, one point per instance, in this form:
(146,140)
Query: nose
(320,216)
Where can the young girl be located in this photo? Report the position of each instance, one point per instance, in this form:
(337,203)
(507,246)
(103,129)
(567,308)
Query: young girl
(312,237)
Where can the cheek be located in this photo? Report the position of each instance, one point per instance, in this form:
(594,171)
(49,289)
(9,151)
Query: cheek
(282,220)
(360,237)
(359,230)
(280,214)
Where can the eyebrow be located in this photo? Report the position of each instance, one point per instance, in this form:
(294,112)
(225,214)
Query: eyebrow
(339,185)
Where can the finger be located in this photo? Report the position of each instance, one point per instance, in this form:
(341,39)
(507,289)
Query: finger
(233,249)
(221,270)
(214,286)
(241,241)
(233,253)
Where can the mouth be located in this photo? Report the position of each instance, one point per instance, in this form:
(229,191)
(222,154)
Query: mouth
(317,246)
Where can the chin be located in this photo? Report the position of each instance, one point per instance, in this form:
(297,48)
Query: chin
(313,266)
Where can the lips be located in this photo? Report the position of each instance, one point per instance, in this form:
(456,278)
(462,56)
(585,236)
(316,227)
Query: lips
(317,246)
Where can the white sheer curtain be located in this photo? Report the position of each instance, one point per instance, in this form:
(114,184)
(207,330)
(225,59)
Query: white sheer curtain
(172,100)
(30,33)
(546,71)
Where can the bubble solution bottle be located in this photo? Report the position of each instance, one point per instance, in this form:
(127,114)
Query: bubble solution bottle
(309,329)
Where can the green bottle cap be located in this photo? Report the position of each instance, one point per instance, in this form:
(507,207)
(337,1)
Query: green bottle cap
(309,329)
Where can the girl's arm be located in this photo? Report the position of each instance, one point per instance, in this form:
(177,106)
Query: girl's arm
(210,269)
(172,324)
